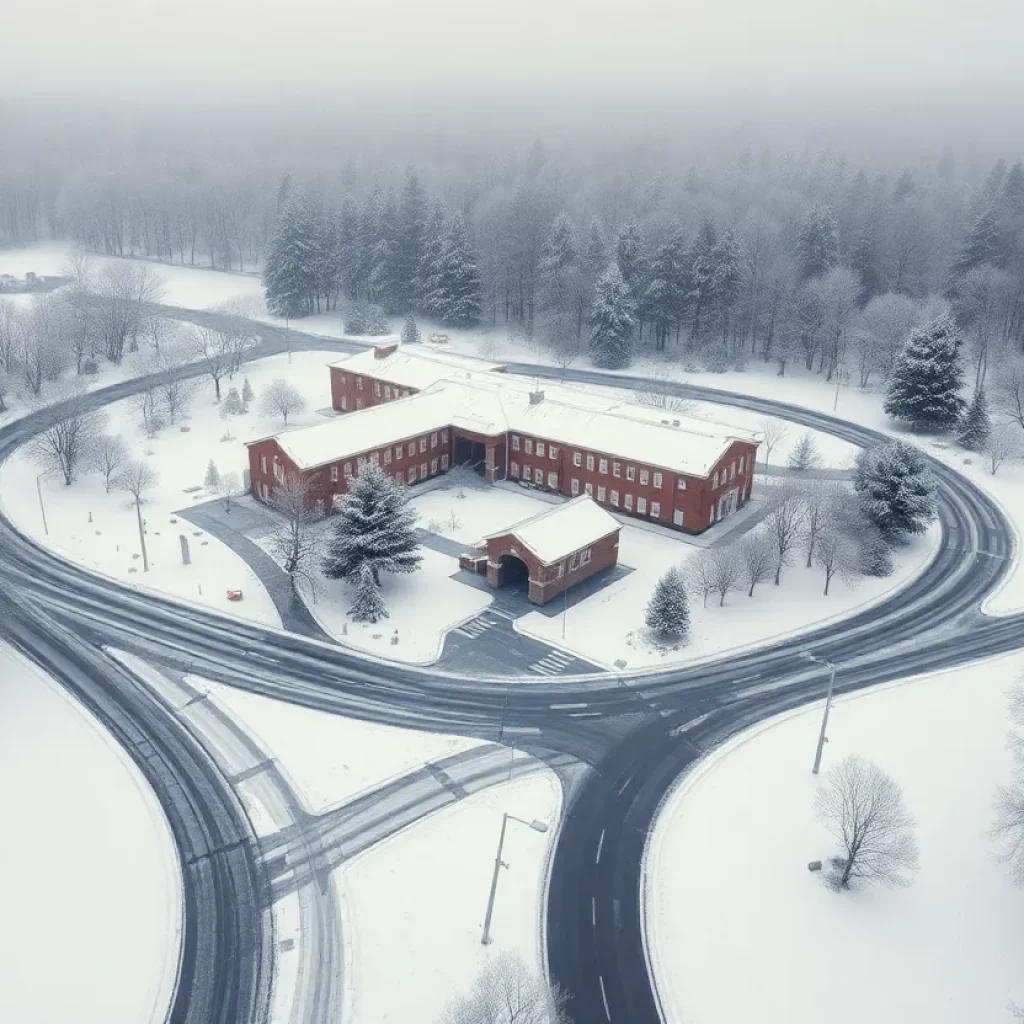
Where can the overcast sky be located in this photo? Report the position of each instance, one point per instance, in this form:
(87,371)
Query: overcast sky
(233,49)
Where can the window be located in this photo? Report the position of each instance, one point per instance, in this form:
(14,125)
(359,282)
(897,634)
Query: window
(344,403)
(602,467)
(423,470)
(732,470)
(552,452)
(615,498)
(398,452)
(433,466)
(631,473)
(515,442)
(655,509)
(584,556)
(423,445)
(411,450)
(387,456)
(411,475)
(657,480)
(712,519)
(616,469)
(600,494)
(341,378)
(334,474)
(742,457)
(628,503)
(263,464)
(560,570)
(574,561)
(553,481)
(278,472)
(644,477)
(589,488)
(375,458)
(387,390)
(348,469)
(590,463)
(359,383)
(641,505)
(577,459)
(528,445)
(714,483)
(540,449)
(444,437)
(681,484)
(574,487)
(513,468)
(433,440)
(677,517)
(319,506)
(376,388)
(444,461)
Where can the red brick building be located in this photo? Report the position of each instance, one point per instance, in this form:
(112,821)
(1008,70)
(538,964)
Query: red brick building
(554,550)
(677,470)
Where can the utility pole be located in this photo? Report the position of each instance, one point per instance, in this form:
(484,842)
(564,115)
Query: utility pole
(537,826)
(142,535)
(42,509)
(565,607)
(828,707)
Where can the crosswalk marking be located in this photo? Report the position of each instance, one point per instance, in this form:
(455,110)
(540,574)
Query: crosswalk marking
(474,628)
(551,664)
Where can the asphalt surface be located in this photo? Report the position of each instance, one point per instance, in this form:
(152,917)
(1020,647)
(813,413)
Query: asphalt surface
(637,732)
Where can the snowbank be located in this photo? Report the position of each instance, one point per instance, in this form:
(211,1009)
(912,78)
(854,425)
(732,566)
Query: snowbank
(92,899)
(727,887)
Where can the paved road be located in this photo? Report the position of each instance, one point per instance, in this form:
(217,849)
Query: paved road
(625,726)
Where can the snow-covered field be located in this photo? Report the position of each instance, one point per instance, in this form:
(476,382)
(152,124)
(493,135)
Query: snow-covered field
(739,929)
(331,759)
(100,530)
(92,901)
(414,906)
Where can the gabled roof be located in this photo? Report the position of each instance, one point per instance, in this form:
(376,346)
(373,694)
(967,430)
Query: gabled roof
(414,366)
(562,529)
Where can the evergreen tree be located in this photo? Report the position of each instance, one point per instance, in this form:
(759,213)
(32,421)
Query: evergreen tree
(433,247)
(212,479)
(726,274)
(983,244)
(410,332)
(804,455)
(348,240)
(356,321)
(612,322)
(233,405)
(367,605)
(455,299)
(247,395)
(290,274)
(562,248)
(895,490)
(668,612)
(874,556)
(372,272)
(974,432)
(631,257)
(384,284)
(412,230)
(376,321)
(700,273)
(866,263)
(665,296)
(595,254)
(818,244)
(375,526)
(1012,195)
(927,379)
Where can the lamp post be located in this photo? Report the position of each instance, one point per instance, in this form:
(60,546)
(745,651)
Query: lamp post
(537,826)
(42,508)
(828,704)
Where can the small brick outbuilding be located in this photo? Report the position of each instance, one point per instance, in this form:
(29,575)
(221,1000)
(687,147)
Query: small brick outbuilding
(554,550)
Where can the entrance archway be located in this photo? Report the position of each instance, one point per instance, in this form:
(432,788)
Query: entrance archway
(513,572)
(471,454)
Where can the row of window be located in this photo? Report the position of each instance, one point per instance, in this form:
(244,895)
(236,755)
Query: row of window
(539,449)
(400,452)
(535,474)
(612,498)
(729,473)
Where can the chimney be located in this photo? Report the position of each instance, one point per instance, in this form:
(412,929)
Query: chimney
(383,351)
(536,396)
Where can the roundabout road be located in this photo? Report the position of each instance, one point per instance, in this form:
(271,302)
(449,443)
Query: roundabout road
(638,732)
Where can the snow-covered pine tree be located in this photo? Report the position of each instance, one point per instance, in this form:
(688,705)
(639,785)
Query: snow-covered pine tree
(668,611)
(1012,195)
(804,455)
(976,427)
(247,395)
(367,603)
(410,332)
(376,322)
(455,299)
(356,321)
(411,235)
(874,556)
(212,479)
(612,322)
(595,253)
(983,244)
(290,274)
(433,246)
(818,242)
(633,262)
(866,263)
(233,405)
(383,282)
(895,490)
(726,274)
(348,241)
(927,378)
(700,271)
(665,296)
(375,526)
(372,248)
(561,249)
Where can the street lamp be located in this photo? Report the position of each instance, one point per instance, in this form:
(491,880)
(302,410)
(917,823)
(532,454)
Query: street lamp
(828,704)
(42,509)
(537,826)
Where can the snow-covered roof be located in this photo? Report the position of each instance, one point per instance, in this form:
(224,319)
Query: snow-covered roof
(562,529)
(414,366)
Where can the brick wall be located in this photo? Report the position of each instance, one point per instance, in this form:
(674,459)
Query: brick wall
(351,391)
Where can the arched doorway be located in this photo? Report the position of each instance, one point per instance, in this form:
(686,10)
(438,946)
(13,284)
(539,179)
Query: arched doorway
(513,572)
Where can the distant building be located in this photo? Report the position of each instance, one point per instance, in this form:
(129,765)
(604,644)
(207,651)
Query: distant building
(678,470)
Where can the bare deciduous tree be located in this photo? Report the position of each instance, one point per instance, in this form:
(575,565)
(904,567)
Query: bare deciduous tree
(282,399)
(1003,444)
(123,291)
(784,523)
(148,406)
(460,476)
(658,392)
(863,809)
(212,350)
(109,453)
(44,351)
(228,488)
(726,572)
(136,477)
(772,431)
(757,559)
(295,543)
(1008,829)
(700,575)
(823,503)
(1009,392)
(13,328)
(507,992)
(564,343)
(66,443)
(837,554)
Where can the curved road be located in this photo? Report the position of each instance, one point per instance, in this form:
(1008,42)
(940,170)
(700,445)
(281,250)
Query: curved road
(637,731)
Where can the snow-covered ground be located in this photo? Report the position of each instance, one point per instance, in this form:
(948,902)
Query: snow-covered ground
(728,890)
(92,900)
(331,759)
(100,530)
(415,905)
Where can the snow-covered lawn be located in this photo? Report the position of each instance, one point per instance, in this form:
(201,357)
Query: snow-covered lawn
(728,890)
(480,511)
(417,902)
(100,530)
(92,901)
(330,758)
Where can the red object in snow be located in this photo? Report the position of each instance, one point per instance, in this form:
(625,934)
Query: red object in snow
(234,595)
